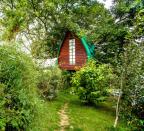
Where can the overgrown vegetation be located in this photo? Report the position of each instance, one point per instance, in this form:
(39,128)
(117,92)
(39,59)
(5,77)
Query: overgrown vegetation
(50,81)
(132,99)
(131,63)
(118,35)
(18,92)
(92,82)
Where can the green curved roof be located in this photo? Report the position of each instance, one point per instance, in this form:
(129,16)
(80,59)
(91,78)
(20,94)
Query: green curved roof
(88,47)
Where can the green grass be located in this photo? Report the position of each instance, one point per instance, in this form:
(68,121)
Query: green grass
(89,118)
(81,117)
(46,119)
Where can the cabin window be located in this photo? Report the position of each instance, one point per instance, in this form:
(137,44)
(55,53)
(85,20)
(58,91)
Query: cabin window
(72,51)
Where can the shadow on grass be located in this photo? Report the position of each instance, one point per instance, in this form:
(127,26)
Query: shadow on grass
(103,107)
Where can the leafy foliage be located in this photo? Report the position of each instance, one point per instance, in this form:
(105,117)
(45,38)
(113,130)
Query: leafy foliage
(92,81)
(50,81)
(131,65)
(45,22)
(66,78)
(132,99)
(18,93)
(111,40)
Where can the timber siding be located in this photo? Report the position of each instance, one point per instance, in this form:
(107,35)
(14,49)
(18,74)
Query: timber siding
(80,54)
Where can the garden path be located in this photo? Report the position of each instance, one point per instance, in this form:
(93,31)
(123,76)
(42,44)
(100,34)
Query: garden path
(64,119)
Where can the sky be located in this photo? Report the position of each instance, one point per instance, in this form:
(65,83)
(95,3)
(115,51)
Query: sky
(107,3)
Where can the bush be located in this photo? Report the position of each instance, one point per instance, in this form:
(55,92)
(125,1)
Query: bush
(66,78)
(18,95)
(132,78)
(91,82)
(50,81)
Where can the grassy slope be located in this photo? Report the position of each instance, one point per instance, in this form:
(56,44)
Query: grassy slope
(82,117)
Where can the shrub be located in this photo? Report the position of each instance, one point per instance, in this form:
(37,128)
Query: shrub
(132,78)
(18,95)
(50,81)
(91,82)
(66,78)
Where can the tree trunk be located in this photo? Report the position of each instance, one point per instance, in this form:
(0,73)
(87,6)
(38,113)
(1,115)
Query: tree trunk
(117,111)
(118,101)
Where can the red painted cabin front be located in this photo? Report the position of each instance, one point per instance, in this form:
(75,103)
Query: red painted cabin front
(72,55)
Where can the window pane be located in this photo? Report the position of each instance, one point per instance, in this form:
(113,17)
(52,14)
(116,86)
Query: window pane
(72,51)
(74,61)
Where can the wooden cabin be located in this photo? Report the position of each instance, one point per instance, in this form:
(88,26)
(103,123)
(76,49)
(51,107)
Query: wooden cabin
(74,52)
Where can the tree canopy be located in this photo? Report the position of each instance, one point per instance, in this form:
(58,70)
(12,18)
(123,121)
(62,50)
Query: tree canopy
(45,22)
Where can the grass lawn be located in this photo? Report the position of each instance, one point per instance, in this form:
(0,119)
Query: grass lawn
(81,117)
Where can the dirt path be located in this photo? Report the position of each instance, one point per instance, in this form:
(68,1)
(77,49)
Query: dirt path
(64,120)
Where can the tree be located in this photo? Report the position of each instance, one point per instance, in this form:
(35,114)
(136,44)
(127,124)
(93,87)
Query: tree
(45,22)
(130,104)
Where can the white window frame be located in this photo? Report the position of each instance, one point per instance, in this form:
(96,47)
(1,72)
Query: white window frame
(72,58)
